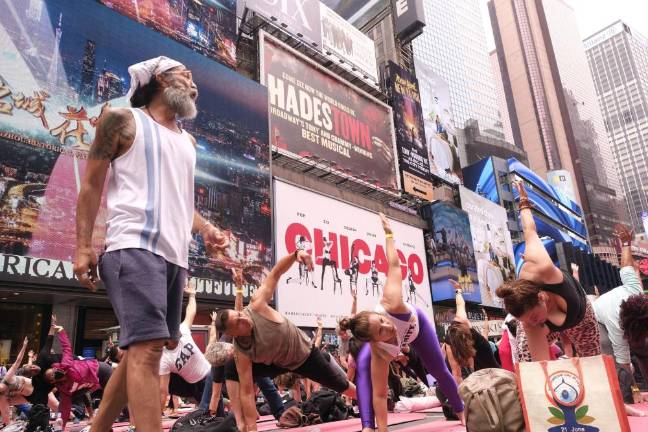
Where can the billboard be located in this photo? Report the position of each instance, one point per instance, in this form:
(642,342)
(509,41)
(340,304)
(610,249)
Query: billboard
(206,27)
(492,244)
(480,178)
(55,87)
(313,113)
(410,132)
(644,220)
(300,17)
(348,247)
(348,43)
(450,253)
(561,181)
(409,19)
(440,133)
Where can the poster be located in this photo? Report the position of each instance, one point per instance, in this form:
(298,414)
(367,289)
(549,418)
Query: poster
(440,133)
(410,132)
(443,317)
(52,92)
(315,114)
(348,43)
(348,246)
(409,19)
(299,17)
(644,221)
(492,244)
(206,27)
(450,253)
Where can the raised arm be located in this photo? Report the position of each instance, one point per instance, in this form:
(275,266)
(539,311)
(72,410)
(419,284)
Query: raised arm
(237,277)
(264,294)
(213,334)
(485,329)
(392,297)
(115,132)
(354,302)
(190,313)
(460,315)
(318,334)
(538,266)
(624,235)
(14,367)
(66,347)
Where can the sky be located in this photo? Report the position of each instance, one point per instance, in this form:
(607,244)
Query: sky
(594,15)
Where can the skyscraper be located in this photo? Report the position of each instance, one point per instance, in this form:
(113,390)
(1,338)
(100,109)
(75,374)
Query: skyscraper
(552,104)
(618,60)
(501,98)
(453,44)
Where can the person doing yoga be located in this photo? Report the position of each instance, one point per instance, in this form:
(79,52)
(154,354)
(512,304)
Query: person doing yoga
(393,325)
(549,302)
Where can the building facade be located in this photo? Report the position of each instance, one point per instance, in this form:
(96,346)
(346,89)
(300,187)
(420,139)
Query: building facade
(552,104)
(618,60)
(501,98)
(453,45)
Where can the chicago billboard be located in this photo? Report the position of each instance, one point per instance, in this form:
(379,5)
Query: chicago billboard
(440,133)
(208,28)
(315,114)
(54,89)
(348,247)
(492,244)
(450,253)
(410,132)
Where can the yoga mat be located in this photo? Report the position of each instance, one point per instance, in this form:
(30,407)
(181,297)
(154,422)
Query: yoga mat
(436,426)
(344,425)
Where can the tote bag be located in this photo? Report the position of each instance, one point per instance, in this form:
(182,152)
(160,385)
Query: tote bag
(572,395)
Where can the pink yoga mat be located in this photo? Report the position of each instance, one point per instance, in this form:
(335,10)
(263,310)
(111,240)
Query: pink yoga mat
(345,425)
(436,426)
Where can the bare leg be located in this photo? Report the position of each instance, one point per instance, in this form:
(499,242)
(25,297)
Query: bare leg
(114,398)
(235,401)
(5,410)
(142,378)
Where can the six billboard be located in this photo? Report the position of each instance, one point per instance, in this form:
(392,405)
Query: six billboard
(450,253)
(53,92)
(348,246)
(440,133)
(300,17)
(315,114)
(410,132)
(492,244)
(208,28)
(348,43)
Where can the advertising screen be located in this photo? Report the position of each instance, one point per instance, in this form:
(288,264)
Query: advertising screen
(53,91)
(348,43)
(300,17)
(410,132)
(348,246)
(206,27)
(314,114)
(492,244)
(480,178)
(450,253)
(440,133)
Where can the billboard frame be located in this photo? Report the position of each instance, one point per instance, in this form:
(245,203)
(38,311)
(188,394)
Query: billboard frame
(263,35)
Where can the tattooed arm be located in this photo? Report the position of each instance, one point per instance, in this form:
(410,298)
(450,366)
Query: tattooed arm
(114,135)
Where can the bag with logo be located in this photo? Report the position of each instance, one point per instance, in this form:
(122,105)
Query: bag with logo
(577,394)
(491,401)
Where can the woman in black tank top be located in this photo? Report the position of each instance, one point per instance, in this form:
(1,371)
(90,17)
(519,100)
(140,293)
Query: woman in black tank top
(548,301)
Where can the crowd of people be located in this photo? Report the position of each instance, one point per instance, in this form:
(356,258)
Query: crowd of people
(267,364)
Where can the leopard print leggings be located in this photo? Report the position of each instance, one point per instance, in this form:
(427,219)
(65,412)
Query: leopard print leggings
(585,337)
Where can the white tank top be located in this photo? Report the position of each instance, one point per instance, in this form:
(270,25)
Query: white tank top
(406,331)
(151,192)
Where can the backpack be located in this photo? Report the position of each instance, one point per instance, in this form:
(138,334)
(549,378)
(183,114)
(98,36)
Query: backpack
(328,404)
(492,402)
(201,421)
(294,417)
(38,419)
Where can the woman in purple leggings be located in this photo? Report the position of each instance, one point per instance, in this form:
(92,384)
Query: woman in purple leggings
(393,325)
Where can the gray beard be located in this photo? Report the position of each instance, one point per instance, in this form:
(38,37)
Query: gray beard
(181,103)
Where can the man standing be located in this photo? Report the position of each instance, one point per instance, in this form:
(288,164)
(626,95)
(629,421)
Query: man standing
(151,219)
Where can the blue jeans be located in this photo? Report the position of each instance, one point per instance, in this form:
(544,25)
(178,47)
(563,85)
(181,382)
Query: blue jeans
(207,392)
(271,394)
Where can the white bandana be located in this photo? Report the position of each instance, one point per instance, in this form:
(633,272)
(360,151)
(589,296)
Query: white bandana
(142,73)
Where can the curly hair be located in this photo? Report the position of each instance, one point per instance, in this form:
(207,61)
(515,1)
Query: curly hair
(359,325)
(519,296)
(219,353)
(634,318)
(461,342)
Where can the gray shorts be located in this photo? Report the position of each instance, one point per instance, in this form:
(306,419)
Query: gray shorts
(145,291)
